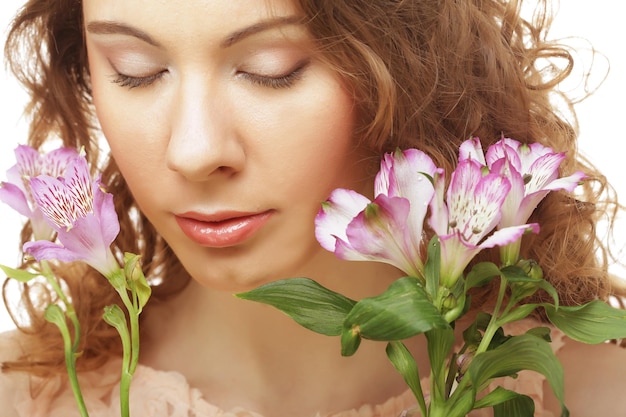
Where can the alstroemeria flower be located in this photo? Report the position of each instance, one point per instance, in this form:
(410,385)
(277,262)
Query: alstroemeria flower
(533,171)
(16,192)
(389,228)
(81,213)
(465,220)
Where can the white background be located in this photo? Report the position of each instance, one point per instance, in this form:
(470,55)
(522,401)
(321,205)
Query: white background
(601,116)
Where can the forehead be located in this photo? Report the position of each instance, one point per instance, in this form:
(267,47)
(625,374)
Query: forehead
(187,19)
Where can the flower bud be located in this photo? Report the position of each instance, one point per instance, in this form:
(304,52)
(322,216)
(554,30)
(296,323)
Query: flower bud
(532,268)
(350,341)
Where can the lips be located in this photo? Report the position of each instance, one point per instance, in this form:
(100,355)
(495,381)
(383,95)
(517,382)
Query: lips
(223,229)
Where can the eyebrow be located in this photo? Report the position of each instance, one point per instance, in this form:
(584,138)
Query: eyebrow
(105,27)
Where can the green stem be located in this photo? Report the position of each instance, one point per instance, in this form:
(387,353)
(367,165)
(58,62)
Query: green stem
(55,315)
(492,327)
(114,316)
(70,312)
(134,329)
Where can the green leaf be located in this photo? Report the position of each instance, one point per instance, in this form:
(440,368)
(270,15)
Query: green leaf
(518,313)
(507,403)
(481,274)
(527,285)
(440,343)
(594,322)
(405,364)
(402,311)
(306,302)
(525,352)
(497,396)
(518,406)
(18,274)
(459,404)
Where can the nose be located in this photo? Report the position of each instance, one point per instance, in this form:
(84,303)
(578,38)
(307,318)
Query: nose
(203,139)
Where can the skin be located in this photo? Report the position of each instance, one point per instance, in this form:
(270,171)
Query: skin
(241,114)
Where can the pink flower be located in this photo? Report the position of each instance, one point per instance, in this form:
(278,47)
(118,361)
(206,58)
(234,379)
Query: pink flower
(16,192)
(389,228)
(533,171)
(470,212)
(81,213)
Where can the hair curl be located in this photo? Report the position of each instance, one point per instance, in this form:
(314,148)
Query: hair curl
(424,73)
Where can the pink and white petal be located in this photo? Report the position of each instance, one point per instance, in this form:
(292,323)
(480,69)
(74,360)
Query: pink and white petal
(14,197)
(439,216)
(531,152)
(543,171)
(104,209)
(16,178)
(472,149)
(86,242)
(407,175)
(28,160)
(525,208)
(42,230)
(382,223)
(463,181)
(54,163)
(508,235)
(516,194)
(505,149)
(566,183)
(79,185)
(335,214)
(344,251)
(402,175)
(455,255)
(54,201)
(380,232)
(478,216)
(45,250)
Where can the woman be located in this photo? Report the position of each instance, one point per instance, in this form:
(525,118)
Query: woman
(228,122)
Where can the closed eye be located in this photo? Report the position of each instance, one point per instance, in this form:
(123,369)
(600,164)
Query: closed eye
(131,82)
(277,81)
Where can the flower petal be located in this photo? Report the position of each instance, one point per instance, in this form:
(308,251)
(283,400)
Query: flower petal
(334,216)
(14,197)
(502,237)
(475,201)
(408,174)
(55,163)
(104,210)
(45,250)
(379,233)
(472,149)
(87,244)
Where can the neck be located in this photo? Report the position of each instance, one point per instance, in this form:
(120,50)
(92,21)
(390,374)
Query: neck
(218,341)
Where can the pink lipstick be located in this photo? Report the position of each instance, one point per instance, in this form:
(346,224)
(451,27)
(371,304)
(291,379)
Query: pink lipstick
(223,229)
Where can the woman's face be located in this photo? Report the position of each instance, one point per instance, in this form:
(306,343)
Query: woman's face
(227,127)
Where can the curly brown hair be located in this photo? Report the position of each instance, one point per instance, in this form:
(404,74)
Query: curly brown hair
(416,83)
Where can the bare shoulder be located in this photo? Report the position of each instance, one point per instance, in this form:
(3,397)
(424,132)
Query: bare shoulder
(10,349)
(595,380)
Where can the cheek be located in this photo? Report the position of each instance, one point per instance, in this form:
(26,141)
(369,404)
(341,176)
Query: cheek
(133,132)
(318,148)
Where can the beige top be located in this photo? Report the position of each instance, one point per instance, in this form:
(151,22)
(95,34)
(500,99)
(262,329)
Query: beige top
(157,393)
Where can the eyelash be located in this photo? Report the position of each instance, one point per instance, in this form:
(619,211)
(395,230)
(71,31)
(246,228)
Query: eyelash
(124,80)
(278,82)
